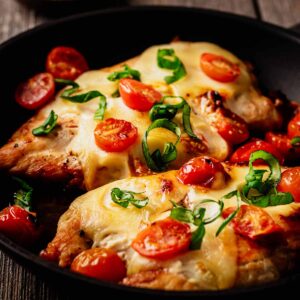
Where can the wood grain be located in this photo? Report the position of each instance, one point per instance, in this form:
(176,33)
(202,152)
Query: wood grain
(285,13)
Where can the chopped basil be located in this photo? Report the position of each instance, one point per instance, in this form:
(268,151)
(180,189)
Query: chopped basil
(168,111)
(158,161)
(47,126)
(23,196)
(295,142)
(260,192)
(166,59)
(116,94)
(124,198)
(197,237)
(126,73)
(83,98)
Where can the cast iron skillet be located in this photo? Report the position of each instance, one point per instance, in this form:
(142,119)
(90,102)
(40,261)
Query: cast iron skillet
(111,36)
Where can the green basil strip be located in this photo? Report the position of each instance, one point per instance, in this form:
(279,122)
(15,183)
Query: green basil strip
(124,198)
(23,197)
(116,94)
(157,161)
(263,193)
(218,214)
(233,214)
(168,111)
(47,126)
(166,59)
(126,73)
(83,98)
(295,142)
(197,237)
(182,214)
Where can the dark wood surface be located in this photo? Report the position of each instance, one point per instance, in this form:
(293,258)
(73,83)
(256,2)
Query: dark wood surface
(16,282)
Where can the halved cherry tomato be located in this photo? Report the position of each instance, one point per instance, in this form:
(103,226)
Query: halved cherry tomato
(290,182)
(100,263)
(282,143)
(219,68)
(163,239)
(113,135)
(230,126)
(294,127)
(204,171)
(66,63)
(17,224)
(252,221)
(36,91)
(242,154)
(137,95)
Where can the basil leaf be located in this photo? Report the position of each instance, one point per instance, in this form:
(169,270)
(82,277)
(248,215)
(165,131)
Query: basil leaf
(197,237)
(126,73)
(263,193)
(116,94)
(23,197)
(83,98)
(295,142)
(166,59)
(182,214)
(217,215)
(157,161)
(47,126)
(168,111)
(124,198)
(233,214)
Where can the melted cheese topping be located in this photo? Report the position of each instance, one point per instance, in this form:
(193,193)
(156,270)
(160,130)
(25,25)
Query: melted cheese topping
(100,167)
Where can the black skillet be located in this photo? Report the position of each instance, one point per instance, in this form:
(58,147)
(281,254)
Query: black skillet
(111,36)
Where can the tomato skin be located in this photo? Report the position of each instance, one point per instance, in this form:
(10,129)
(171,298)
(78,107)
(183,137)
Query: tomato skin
(163,239)
(100,263)
(282,143)
(252,221)
(230,126)
(36,91)
(202,170)
(290,182)
(242,154)
(219,68)
(137,95)
(16,223)
(113,135)
(294,127)
(66,63)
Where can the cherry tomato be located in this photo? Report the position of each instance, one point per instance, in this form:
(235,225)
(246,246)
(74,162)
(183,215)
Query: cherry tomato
(100,263)
(113,135)
(17,224)
(252,222)
(282,144)
(36,91)
(137,95)
(242,154)
(163,239)
(294,127)
(230,126)
(202,171)
(219,68)
(66,63)
(290,182)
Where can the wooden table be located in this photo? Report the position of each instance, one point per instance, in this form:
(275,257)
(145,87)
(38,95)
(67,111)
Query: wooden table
(17,282)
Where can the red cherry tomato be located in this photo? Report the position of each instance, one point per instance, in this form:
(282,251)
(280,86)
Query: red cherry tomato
(219,68)
(66,63)
(290,182)
(202,171)
(36,91)
(137,95)
(252,222)
(230,126)
(113,135)
(294,127)
(242,154)
(102,264)
(163,239)
(17,224)
(282,144)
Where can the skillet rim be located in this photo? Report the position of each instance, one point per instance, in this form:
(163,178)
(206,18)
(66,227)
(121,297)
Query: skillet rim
(19,253)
